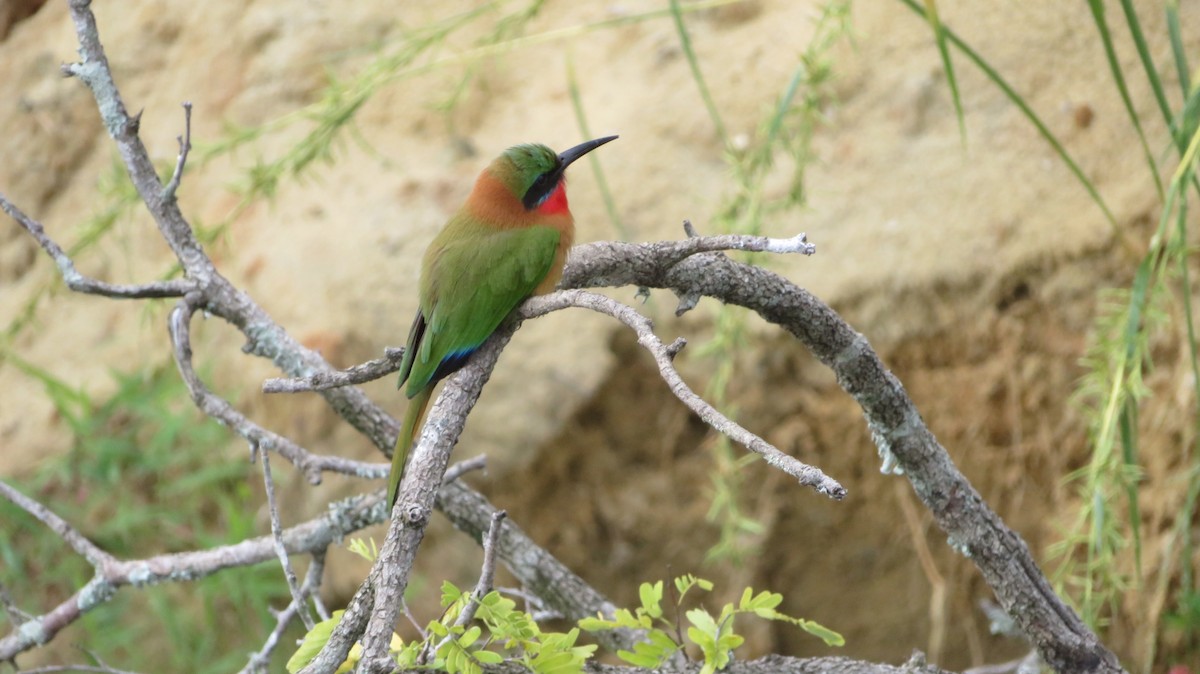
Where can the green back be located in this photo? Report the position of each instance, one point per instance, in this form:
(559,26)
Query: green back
(474,276)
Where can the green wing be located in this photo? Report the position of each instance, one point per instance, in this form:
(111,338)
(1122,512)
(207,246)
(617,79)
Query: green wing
(475,276)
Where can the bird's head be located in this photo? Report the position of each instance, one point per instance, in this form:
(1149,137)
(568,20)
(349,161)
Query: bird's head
(533,172)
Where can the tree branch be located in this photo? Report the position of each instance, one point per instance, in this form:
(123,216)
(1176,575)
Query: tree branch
(321,381)
(807,475)
(98,558)
(342,518)
(260,661)
(185,146)
(82,284)
(312,465)
(1062,639)
(277,536)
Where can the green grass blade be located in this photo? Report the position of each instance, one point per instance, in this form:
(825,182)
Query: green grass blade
(939,32)
(610,205)
(1097,7)
(1016,99)
(1129,452)
(1139,39)
(685,42)
(1177,48)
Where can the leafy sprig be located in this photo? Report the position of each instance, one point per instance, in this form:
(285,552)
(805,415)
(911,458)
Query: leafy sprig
(713,636)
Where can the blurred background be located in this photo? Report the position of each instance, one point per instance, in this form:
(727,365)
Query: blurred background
(995,271)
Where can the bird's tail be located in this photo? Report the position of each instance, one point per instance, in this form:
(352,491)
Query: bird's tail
(404,442)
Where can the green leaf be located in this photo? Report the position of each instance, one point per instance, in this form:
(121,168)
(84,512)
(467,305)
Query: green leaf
(489,657)
(703,621)
(643,660)
(652,653)
(651,596)
(823,633)
(450,593)
(596,624)
(313,642)
(470,636)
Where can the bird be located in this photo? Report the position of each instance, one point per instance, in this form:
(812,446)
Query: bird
(508,241)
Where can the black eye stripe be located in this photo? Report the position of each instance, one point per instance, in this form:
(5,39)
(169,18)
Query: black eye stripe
(541,188)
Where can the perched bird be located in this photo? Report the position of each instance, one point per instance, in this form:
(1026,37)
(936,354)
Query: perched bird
(507,242)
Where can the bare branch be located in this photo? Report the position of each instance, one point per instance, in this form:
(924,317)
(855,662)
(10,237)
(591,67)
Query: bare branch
(808,476)
(312,465)
(185,146)
(321,381)
(53,669)
(312,582)
(1062,639)
(15,615)
(260,661)
(463,467)
(487,576)
(277,535)
(314,536)
(98,558)
(487,573)
(80,283)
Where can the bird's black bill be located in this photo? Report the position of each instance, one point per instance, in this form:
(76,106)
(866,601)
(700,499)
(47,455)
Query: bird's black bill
(567,156)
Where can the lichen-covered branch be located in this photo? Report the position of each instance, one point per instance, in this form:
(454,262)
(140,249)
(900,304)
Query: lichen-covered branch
(806,475)
(1062,639)
(312,537)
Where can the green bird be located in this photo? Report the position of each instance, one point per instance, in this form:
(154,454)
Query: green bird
(508,241)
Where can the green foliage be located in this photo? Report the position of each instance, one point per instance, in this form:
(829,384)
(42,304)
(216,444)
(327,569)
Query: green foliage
(143,478)
(713,636)
(319,635)
(367,549)
(497,633)
(1158,300)
(606,195)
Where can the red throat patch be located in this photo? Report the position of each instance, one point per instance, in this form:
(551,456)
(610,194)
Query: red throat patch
(557,201)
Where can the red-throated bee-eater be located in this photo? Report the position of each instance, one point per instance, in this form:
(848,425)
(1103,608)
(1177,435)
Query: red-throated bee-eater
(507,242)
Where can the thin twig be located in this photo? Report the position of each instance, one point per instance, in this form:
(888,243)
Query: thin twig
(806,475)
(487,572)
(277,534)
(312,465)
(57,668)
(15,615)
(312,582)
(80,283)
(321,381)
(341,519)
(185,146)
(487,576)
(463,467)
(261,660)
(98,558)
